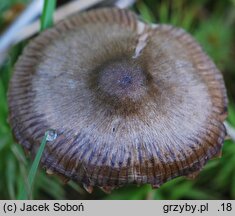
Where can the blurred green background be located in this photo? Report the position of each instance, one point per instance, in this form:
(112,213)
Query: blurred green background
(212,22)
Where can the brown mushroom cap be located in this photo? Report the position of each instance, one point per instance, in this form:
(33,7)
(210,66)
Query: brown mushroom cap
(130,102)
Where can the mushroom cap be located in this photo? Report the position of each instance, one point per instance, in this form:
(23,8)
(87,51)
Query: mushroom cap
(129,102)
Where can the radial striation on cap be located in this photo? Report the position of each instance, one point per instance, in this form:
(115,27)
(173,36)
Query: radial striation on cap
(130,103)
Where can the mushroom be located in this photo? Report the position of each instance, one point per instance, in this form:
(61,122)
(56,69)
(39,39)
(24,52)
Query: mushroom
(129,102)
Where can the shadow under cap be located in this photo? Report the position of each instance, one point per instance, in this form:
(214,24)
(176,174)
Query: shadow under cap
(131,103)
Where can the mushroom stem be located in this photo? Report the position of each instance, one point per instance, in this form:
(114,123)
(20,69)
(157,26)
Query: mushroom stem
(230,130)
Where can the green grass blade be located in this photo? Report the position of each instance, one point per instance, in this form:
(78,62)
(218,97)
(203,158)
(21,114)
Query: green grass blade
(231,113)
(52,186)
(76,187)
(145,12)
(47,14)
(11,176)
(34,168)
(164,12)
(23,186)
